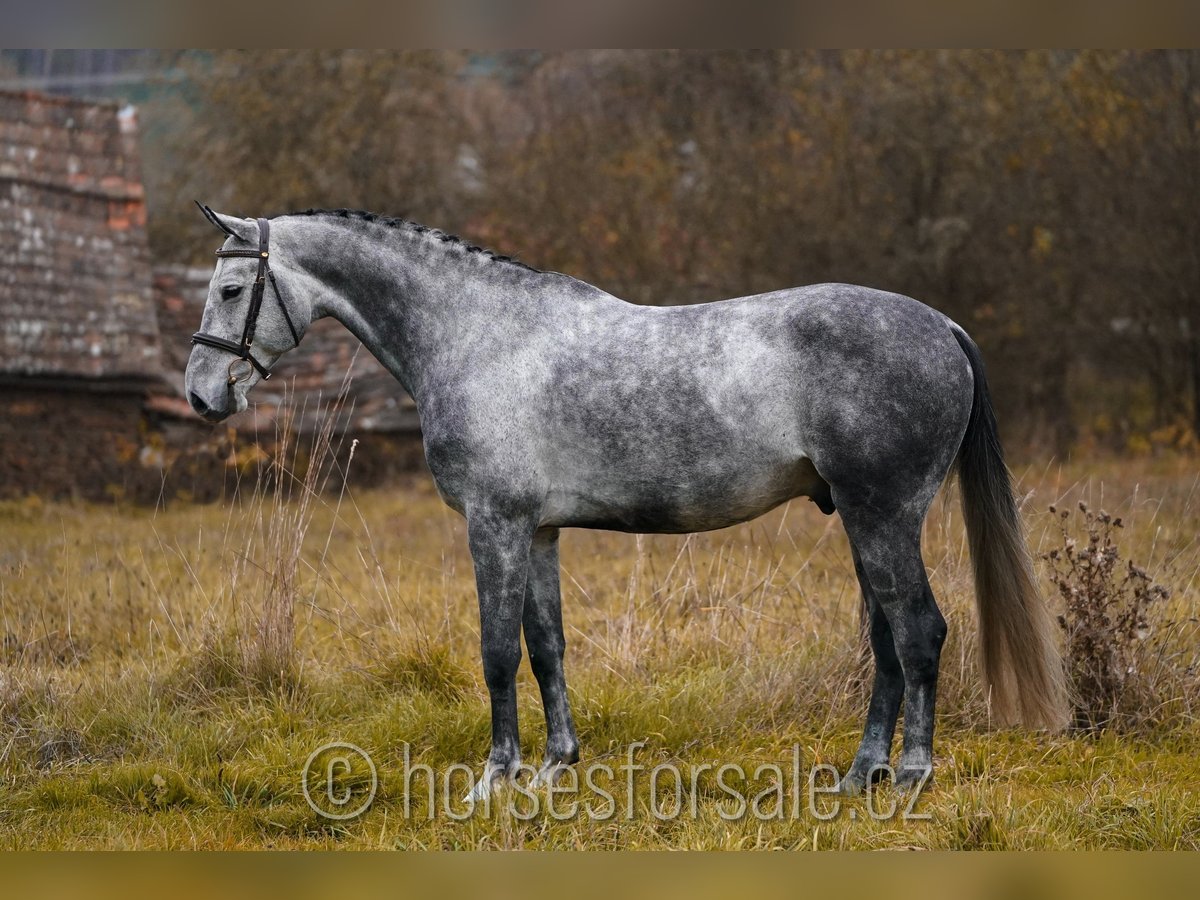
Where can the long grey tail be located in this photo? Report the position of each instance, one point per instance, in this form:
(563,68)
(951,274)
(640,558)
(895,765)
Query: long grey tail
(1019,653)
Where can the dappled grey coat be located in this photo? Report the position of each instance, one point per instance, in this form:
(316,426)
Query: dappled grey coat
(547,403)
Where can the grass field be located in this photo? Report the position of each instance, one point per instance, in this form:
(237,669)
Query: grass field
(137,709)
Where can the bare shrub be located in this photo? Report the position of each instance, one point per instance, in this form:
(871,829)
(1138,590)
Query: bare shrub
(1109,616)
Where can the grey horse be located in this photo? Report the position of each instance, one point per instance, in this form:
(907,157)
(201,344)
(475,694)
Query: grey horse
(546,403)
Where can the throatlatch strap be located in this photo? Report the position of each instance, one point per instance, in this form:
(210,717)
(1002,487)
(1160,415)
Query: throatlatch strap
(283,307)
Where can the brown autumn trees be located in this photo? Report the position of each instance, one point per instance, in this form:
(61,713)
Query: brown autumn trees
(1046,200)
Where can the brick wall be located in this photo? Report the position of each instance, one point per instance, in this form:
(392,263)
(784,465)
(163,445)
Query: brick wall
(109,446)
(102,446)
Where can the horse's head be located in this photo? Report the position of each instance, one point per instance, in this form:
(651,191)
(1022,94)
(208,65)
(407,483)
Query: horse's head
(251,318)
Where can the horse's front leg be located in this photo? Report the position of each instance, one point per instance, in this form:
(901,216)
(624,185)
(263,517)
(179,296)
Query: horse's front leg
(544,638)
(500,542)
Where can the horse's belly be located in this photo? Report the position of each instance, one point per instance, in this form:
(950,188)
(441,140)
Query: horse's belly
(674,505)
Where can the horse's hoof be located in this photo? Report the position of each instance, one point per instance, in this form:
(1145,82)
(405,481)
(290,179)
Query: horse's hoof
(493,778)
(852,785)
(856,780)
(547,776)
(913,778)
(481,791)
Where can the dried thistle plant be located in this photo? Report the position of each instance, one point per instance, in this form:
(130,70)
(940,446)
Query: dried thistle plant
(1108,620)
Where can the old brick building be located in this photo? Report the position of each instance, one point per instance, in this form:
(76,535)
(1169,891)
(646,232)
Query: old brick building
(79,340)
(93,340)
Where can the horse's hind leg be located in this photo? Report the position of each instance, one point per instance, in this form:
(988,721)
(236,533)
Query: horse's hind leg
(544,638)
(874,752)
(889,550)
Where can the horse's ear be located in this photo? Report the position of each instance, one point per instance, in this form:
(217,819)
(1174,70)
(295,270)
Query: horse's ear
(243,229)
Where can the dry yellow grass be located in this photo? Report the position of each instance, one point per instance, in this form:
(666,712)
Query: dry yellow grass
(128,719)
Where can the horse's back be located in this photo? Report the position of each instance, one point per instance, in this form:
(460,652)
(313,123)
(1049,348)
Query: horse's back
(683,418)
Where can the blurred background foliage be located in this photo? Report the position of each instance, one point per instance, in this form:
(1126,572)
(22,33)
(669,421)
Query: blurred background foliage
(1047,200)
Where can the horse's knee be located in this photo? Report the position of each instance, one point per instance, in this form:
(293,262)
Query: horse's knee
(546,657)
(500,665)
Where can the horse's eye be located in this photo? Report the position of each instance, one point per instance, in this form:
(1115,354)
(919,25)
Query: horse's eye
(229,292)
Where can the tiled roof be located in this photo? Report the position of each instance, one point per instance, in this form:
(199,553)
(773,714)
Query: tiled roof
(75,298)
(79,301)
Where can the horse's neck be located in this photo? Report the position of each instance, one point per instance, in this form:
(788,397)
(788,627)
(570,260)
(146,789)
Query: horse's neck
(415,302)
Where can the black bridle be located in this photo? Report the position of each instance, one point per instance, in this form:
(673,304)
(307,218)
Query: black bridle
(242,350)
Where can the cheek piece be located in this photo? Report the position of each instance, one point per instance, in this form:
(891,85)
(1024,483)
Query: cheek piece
(245,363)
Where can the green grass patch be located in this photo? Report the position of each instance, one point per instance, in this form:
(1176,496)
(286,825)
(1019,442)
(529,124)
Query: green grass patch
(131,718)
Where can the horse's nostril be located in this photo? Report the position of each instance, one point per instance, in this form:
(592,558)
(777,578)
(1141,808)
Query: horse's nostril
(197,404)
